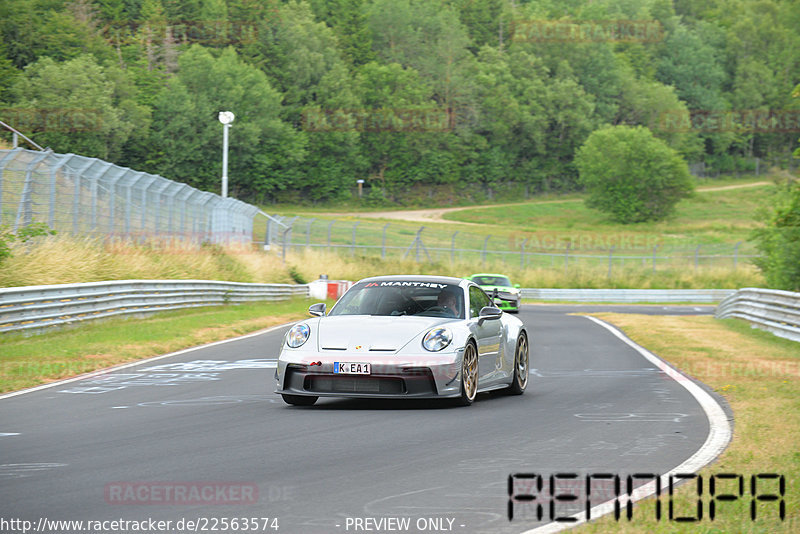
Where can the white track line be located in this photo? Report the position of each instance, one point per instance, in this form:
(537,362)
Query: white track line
(138,362)
(719,435)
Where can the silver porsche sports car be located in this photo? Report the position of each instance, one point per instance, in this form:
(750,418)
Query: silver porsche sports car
(404,337)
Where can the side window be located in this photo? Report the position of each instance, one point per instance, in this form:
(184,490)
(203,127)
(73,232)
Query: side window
(477,300)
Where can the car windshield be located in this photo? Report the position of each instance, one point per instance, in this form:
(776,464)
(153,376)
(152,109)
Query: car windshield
(395,298)
(484,280)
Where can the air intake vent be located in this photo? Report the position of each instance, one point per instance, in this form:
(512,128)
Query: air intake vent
(353,384)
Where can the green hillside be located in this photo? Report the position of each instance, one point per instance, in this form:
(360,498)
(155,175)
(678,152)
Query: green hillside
(475,97)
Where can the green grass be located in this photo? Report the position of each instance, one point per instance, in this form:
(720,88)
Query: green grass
(26,360)
(714,220)
(711,217)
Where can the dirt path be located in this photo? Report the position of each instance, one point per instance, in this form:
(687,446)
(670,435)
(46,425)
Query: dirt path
(735,186)
(437,214)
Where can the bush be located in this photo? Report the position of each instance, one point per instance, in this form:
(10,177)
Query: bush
(296,275)
(632,175)
(779,241)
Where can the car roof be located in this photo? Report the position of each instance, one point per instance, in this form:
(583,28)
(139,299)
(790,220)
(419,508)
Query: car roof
(490,274)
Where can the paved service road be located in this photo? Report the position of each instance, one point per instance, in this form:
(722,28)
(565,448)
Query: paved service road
(202,435)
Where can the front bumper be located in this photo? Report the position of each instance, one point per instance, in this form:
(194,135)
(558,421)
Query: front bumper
(509,305)
(391,377)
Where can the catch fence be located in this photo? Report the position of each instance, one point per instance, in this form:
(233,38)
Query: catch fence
(87,196)
(565,251)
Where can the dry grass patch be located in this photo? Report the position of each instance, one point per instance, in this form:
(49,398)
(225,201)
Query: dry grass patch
(63,259)
(757,374)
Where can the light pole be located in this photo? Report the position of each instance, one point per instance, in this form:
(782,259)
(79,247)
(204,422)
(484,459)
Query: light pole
(226,118)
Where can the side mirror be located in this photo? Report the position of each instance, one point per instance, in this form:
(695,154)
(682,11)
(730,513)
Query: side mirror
(317,310)
(516,285)
(489,313)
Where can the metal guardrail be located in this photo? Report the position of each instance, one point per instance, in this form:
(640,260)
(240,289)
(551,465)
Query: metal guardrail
(769,309)
(33,307)
(706,296)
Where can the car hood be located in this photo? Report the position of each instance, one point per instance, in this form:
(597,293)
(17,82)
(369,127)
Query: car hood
(372,333)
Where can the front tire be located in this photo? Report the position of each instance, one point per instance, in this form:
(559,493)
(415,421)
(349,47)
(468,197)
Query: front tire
(469,375)
(299,400)
(521,366)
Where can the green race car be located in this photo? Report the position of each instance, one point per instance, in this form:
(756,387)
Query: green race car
(508,296)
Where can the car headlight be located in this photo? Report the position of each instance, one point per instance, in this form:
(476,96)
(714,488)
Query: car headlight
(437,339)
(297,335)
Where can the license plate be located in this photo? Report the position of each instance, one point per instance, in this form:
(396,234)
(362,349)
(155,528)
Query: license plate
(351,368)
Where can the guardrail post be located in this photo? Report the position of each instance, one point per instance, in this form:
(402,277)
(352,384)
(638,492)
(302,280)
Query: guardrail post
(267,234)
(485,245)
(353,246)
(453,248)
(383,241)
(610,258)
(522,254)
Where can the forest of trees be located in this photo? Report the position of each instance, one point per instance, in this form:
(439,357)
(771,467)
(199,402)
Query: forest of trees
(405,94)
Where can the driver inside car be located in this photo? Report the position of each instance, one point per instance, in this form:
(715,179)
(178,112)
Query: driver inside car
(449,302)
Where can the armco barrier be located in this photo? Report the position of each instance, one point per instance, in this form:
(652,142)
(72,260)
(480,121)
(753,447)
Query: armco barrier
(702,296)
(32,307)
(768,309)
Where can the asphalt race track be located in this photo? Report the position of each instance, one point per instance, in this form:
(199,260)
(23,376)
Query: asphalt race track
(122,445)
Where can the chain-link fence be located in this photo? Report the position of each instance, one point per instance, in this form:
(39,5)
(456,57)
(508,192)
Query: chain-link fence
(87,196)
(517,249)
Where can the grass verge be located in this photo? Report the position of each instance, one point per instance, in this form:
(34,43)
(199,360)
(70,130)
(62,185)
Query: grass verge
(65,260)
(30,361)
(310,264)
(759,376)
(62,259)
(715,216)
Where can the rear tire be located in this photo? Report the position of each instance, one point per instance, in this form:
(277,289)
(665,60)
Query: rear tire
(521,366)
(469,375)
(299,400)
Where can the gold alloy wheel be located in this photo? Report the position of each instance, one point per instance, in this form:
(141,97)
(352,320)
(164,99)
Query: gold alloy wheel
(469,370)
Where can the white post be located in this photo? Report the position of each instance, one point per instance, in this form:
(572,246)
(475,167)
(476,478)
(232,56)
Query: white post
(226,118)
(225,160)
